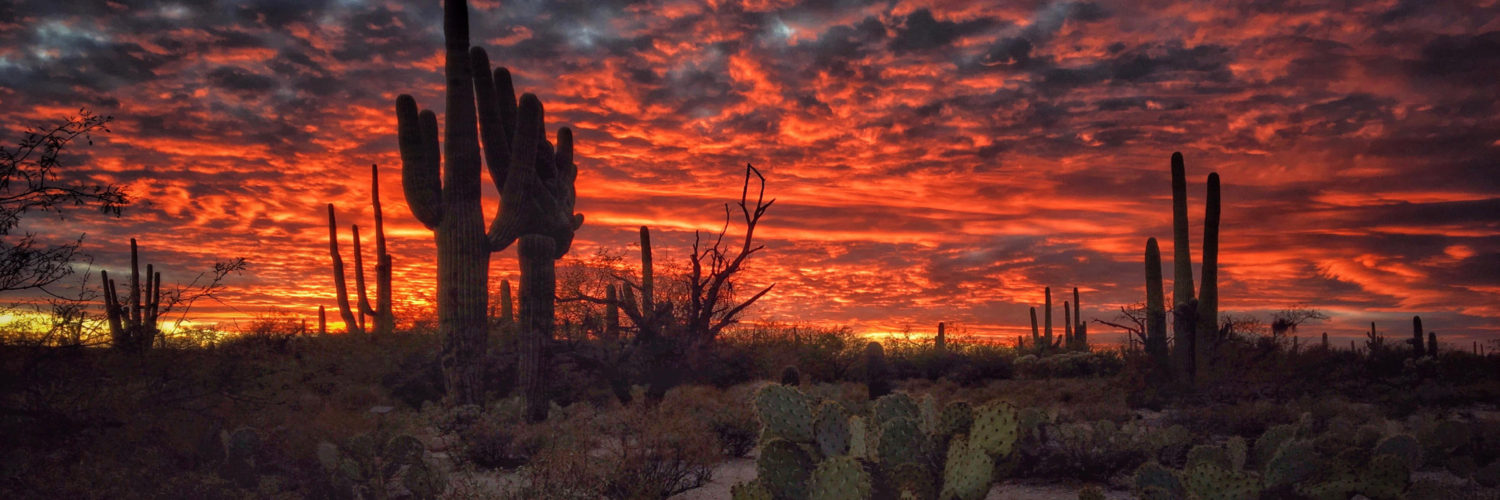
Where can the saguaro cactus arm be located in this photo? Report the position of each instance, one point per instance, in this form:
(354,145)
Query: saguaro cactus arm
(421,163)
(341,288)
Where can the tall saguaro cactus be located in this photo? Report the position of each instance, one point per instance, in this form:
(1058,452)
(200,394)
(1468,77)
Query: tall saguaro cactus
(1047,318)
(443,189)
(132,324)
(648,279)
(381,312)
(1208,291)
(1081,327)
(1194,319)
(340,285)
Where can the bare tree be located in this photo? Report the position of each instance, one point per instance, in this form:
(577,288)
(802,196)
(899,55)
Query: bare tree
(1286,320)
(29,182)
(668,332)
(1132,319)
(711,301)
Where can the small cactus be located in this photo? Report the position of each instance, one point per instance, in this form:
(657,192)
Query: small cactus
(790,376)
(877,374)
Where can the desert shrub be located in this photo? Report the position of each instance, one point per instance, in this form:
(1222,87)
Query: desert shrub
(656,453)
(1092,451)
(975,363)
(727,364)
(417,379)
(729,414)
(1069,364)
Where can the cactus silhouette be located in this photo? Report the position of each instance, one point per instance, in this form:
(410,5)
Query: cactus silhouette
(1156,312)
(340,285)
(443,189)
(1416,337)
(1208,288)
(132,325)
(1036,337)
(381,311)
(1047,319)
(1081,328)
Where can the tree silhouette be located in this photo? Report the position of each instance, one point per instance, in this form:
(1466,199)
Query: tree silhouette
(29,182)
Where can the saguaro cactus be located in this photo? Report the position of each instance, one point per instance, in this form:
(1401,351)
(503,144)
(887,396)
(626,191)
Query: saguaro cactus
(1156,312)
(1067,324)
(536,206)
(1081,327)
(611,313)
(132,325)
(340,285)
(648,279)
(1208,290)
(940,342)
(507,313)
(1047,318)
(1036,337)
(381,311)
(877,374)
(384,318)
(1416,337)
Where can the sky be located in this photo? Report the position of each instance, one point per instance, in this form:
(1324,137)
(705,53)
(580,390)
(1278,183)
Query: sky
(931,160)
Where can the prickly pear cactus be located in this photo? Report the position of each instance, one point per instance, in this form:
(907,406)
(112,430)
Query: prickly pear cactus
(361,470)
(752,490)
(900,442)
(1154,481)
(928,413)
(956,419)
(1238,452)
(1270,441)
(995,428)
(967,472)
(895,405)
(1294,462)
(784,413)
(1386,477)
(240,448)
(840,478)
(1403,446)
(859,445)
(1211,482)
(1206,454)
(783,468)
(831,430)
(913,480)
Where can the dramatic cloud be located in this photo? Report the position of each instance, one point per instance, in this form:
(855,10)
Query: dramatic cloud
(933,161)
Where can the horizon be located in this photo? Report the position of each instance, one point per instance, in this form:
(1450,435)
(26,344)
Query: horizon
(931,163)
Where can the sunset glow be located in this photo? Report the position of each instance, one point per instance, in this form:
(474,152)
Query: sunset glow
(931,161)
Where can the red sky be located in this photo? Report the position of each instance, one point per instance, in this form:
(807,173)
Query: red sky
(932,161)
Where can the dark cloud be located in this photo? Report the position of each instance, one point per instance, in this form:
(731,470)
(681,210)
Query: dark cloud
(919,31)
(1468,59)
